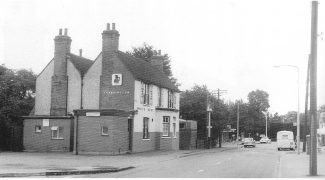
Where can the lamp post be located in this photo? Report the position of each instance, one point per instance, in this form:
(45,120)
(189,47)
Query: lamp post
(266,124)
(298,120)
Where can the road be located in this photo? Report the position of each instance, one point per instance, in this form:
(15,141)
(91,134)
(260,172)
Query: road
(263,161)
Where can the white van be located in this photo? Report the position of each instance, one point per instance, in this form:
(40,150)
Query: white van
(285,140)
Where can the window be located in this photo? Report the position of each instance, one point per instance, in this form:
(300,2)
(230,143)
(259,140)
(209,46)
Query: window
(38,129)
(171,100)
(182,126)
(174,129)
(57,132)
(104,131)
(159,97)
(166,125)
(145,128)
(146,94)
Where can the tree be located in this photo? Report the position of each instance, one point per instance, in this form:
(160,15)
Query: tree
(146,52)
(17,90)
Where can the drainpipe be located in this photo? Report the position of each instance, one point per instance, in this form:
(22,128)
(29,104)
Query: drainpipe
(75,145)
(81,90)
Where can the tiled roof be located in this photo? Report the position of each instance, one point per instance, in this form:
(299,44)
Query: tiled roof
(81,63)
(145,72)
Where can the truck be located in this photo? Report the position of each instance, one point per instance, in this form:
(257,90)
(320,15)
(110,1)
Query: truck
(285,140)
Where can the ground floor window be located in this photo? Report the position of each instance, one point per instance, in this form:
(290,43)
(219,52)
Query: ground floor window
(38,129)
(104,131)
(57,132)
(145,128)
(166,125)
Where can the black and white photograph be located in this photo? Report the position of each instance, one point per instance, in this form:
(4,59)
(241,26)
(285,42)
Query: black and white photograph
(162,89)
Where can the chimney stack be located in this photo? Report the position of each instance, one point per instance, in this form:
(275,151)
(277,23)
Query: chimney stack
(157,60)
(110,39)
(61,51)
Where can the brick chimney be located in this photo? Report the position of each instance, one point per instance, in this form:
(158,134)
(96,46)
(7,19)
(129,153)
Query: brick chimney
(59,81)
(157,60)
(110,39)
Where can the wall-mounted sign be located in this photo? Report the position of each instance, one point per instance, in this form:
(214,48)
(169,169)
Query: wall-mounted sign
(92,113)
(116,79)
(117,92)
(46,122)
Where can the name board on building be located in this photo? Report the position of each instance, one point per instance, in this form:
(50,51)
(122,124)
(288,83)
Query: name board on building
(117,92)
(46,122)
(93,114)
(145,109)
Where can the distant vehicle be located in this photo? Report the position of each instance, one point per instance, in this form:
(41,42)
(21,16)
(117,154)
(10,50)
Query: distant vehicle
(249,142)
(265,140)
(284,140)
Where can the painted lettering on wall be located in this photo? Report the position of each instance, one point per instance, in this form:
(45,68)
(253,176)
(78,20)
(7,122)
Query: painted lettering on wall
(116,92)
(145,109)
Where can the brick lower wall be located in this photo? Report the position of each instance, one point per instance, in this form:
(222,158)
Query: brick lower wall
(42,141)
(155,142)
(91,140)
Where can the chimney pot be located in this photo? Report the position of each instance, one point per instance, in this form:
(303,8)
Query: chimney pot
(108,27)
(113,26)
(80,52)
(60,31)
(65,31)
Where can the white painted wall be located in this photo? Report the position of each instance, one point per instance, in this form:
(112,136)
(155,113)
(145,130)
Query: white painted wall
(43,90)
(155,125)
(74,87)
(91,85)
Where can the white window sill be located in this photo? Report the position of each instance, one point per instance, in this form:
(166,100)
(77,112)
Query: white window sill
(165,137)
(146,139)
(57,138)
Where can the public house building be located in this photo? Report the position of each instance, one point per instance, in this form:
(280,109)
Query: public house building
(111,105)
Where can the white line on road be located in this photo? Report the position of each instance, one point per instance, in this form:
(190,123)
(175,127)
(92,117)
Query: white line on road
(218,163)
(201,170)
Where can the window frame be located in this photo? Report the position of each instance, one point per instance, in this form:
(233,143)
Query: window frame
(166,126)
(59,134)
(102,130)
(36,130)
(145,128)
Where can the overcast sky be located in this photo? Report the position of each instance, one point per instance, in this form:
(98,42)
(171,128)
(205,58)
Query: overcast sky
(227,44)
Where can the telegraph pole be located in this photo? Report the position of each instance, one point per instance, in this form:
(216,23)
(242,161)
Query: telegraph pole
(219,93)
(305,130)
(237,123)
(313,91)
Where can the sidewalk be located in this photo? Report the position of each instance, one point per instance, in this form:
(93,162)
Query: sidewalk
(24,164)
(293,165)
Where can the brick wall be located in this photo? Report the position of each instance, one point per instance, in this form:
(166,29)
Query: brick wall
(59,95)
(116,96)
(42,141)
(187,139)
(155,142)
(91,140)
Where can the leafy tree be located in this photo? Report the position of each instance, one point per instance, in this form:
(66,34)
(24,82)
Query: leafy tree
(17,90)
(146,52)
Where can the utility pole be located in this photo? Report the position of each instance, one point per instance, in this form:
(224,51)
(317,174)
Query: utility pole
(313,91)
(305,130)
(209,121)
(237,123)
(219,93)
(266,124)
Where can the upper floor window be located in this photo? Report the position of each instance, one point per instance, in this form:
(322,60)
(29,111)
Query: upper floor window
(171,100)
(146,94)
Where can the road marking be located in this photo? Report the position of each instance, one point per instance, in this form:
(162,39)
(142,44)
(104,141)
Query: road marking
(229,158)
(218,163)
(201,170)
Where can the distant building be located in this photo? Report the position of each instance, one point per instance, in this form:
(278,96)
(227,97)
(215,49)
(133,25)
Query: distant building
(114,104)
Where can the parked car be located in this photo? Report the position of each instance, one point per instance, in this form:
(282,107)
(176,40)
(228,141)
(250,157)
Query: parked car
(249,142)
(265,140)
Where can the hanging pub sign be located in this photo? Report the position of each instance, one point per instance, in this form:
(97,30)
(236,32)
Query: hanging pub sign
(116,79)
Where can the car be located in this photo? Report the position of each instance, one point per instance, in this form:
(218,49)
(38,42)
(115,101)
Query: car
(249,142)
(265,140)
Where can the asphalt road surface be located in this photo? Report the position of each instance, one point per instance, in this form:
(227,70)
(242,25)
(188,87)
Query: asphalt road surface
(263,161)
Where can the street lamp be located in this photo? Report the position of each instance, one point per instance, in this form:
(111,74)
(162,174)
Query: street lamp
(298,120)
(266,113)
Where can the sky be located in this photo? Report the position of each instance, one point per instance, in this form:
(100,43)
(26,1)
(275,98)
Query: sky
(227,44)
